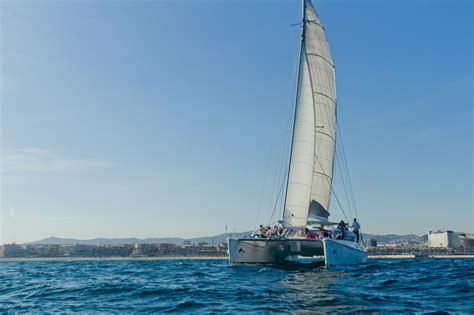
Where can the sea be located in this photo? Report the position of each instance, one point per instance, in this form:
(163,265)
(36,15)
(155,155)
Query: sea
(421,285)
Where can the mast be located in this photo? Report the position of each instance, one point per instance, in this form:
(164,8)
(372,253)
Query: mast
(296,103)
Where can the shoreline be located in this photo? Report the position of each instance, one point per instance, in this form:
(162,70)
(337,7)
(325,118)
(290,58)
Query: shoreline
(111,258)
(70,259)
(408,256)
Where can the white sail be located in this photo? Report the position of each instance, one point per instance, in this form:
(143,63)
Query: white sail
(302,154)
(314,131)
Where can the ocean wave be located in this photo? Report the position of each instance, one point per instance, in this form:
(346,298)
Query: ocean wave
(209,286)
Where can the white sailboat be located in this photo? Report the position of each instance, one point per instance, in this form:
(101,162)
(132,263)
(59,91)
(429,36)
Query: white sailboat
(310,173)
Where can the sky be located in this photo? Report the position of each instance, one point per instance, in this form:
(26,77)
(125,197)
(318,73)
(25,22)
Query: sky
(170,118)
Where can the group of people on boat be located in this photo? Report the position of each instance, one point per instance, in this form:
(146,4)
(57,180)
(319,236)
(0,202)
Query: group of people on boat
(265,231)
(321,232)
(342,228)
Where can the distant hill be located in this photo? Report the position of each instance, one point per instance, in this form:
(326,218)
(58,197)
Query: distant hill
(381,239)
(218,238)
(395,238)
(132,240)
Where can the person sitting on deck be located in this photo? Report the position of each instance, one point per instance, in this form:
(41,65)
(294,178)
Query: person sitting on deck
(275,230)
(326,233)
(280,230)
(320,233)
(341,229)
(262,230)
(268,232)
(308,234)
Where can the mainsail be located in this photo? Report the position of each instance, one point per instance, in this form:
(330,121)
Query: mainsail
(314,130)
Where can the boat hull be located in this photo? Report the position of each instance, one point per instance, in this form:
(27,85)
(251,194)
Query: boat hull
(343,253)
(270,251)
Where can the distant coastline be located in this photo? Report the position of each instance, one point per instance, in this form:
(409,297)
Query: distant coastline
(215,247)
(2,259)
(216,239)
(19,259)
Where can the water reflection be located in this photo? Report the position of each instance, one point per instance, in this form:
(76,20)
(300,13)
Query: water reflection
(296,286)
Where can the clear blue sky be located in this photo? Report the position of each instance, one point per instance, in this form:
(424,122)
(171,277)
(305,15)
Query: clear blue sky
(156,118)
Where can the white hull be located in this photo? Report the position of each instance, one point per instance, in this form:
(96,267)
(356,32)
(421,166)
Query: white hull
(270,251)
(343,253)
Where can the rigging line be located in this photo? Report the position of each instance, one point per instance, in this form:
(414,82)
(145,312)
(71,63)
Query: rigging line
(332,190)
(350,183)
(270,156)
(282,162)
(275,185)
(281,166)
(279,171)
(282,172)
(338,162)
(279,194)
(344,169)
(269,163)
(348,192)
(347,169)
(275,203)
(276,175)
(265,180)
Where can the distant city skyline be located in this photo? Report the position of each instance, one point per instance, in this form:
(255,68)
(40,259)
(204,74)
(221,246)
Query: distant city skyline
(158,119)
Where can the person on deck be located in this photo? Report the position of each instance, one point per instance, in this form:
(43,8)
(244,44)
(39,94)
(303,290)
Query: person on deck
(320,233)
(280,230)
(268,232)
(325,232)
(355,229)
(275,230)
(307,234)
(341,228)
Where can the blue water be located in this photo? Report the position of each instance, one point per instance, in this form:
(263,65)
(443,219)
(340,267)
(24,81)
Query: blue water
(199,286)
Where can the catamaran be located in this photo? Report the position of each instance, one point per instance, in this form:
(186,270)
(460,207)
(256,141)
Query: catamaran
(310,172)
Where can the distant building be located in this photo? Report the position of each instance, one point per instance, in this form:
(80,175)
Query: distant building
(373,242)
(467,240)
(443,239)
(11,250)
